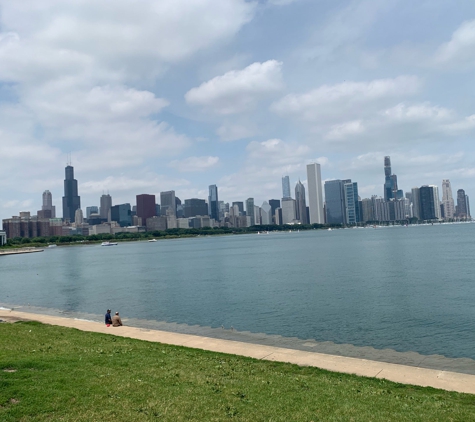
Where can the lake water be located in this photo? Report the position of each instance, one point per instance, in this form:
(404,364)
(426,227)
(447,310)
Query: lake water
(401,288)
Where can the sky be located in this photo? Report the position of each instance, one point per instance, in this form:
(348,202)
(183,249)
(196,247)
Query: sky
(150,96)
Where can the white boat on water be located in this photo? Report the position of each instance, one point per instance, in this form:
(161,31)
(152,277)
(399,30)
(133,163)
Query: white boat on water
(52,246)
(109,243)
(152,240)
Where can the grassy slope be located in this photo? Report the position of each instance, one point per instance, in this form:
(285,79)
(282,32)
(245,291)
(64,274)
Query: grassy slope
(53,373)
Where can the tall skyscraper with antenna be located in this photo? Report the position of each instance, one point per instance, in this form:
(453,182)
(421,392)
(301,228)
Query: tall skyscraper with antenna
(391,190)
(71,199)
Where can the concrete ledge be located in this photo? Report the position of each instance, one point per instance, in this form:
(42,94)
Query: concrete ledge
(445,380)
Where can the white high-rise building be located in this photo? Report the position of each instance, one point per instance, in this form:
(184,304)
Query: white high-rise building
(48,203)
(447,200)
(78,216)
(416,203)
(315,193)
(288,210)
(435,191)
(266,213)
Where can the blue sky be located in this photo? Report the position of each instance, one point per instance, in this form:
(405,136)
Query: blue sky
(157,95)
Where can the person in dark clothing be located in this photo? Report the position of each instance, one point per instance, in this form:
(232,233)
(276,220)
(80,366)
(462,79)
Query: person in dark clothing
(108,318)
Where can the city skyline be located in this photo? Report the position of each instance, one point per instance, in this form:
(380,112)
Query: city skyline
(334,201)
(235,104)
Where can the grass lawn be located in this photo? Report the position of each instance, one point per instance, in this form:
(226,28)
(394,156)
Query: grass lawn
(54,373)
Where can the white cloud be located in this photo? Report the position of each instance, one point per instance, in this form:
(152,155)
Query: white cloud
(137,38)
(267,162)
(277,152)
(344,99)
(238,91)
(118,185)
(460,50)
(343,130)
(234,132)
(280,2)
(194,164)
(417,112)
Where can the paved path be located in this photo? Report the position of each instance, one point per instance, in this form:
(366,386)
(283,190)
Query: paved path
(445,380)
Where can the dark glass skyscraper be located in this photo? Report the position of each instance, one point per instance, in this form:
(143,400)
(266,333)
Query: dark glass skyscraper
(194,207)
(213,206)
(462,204)
(391,190)
(121,214)
(335,202)
(145,207)
(429,205)
(71,199)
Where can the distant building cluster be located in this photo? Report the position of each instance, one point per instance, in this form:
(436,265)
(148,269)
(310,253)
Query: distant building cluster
(336,202)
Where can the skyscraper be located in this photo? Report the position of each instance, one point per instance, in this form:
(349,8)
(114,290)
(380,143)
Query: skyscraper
(168,203)
(462,205)
(429,202)
(352,205)
(266,213)
(106,205)
(194,207)
(250,210)
(78,216)
(391,190)
(91,210)
(286,187)
(447,200)
(48,203)
(213,205)
(416,203)
(145,207)
(335,202)
(71,199)
(288,210)
(240,207)
(122,214)
(315,194)
(300,203)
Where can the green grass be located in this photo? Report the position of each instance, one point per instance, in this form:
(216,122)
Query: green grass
(54,373)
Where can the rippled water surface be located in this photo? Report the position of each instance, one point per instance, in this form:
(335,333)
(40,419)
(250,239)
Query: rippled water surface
(408,289)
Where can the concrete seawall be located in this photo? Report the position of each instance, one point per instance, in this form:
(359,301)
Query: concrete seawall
(445,380)
(19,251)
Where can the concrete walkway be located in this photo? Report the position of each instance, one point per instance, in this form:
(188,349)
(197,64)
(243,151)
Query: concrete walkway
(445,380)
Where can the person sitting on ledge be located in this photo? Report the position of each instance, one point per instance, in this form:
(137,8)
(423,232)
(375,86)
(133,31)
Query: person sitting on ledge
(116,321)
(108,318)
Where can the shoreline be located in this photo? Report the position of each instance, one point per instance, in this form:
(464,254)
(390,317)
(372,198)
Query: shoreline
(446,380)
(20,251)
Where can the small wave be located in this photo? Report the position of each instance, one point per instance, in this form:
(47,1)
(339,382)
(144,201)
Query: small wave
(85,320)
(5,309)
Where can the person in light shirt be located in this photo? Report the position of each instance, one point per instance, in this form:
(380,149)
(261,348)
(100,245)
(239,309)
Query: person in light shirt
(116,321)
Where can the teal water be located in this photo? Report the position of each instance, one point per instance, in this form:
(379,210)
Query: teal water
(407,289)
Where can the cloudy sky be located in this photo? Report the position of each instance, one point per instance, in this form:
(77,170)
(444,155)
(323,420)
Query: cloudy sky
(156,95)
